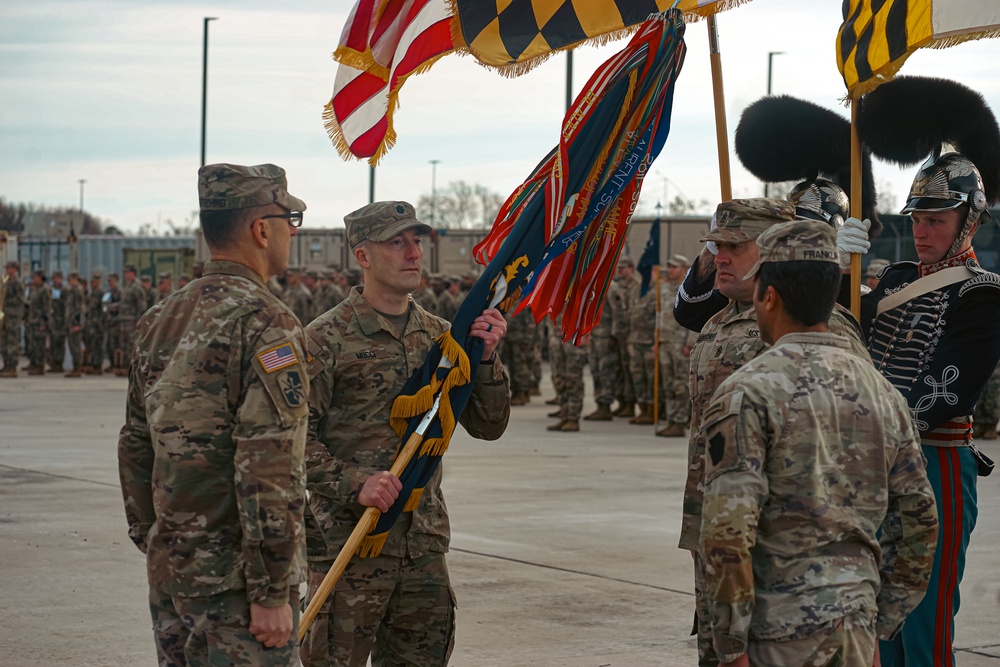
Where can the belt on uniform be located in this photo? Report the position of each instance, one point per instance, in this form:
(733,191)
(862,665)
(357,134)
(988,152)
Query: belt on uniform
(958,433)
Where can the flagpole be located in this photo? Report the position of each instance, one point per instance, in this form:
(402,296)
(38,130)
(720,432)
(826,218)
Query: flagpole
(855,206)
(368,520)
(656,348)
(721,132)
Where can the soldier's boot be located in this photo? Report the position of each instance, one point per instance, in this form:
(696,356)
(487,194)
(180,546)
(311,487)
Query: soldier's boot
(558,426)
(601,414)
(570,425)
(75,373)
(645,415)
(94,370)
(555,413)
(626,409)
(36,370)
(9,373)
(675,430)
(552,401)
(520,398)
(534,391)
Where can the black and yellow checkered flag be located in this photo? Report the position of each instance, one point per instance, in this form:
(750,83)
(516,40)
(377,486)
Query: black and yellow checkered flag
(515,35)
(878,35)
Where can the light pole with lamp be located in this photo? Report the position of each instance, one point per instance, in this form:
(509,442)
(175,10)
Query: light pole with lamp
(204,83)
(770,65)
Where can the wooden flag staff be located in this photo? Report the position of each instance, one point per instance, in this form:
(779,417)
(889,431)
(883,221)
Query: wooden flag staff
(855,206)
(365,524)
(721,131)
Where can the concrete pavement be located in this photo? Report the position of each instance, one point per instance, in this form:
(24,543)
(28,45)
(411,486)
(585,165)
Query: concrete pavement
(563,549)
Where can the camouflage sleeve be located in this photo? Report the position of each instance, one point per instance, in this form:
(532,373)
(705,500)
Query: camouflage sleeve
(909,531)
(735,489)
(485,416)
(269,434)
(327,475)
(135,461)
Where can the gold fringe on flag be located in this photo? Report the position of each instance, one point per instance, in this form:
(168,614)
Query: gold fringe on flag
(371,545)
(414,500)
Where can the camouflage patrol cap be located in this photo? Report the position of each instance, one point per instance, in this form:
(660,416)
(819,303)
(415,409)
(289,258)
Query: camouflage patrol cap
(230,186)
(129,267)
(875,266)
(12,265)
(146,278)
(740,220)
(625,262)
(73,274)
(382,220)
(164,276)
(96,275)
(796,241)
(57,274)
(679,260)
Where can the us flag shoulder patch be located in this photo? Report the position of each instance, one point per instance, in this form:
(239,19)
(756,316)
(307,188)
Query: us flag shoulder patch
(278,357)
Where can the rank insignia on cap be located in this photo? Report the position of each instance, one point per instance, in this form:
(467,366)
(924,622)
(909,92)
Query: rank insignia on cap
(277,358)
(292,388)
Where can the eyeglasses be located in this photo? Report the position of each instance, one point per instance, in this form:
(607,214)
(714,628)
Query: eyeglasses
(294,218)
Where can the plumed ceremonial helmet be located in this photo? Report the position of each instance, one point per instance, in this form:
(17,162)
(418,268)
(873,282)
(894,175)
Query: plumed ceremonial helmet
(945,182)
(821,199)
(906,119)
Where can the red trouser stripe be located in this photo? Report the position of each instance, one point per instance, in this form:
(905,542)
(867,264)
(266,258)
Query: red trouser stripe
(943,618)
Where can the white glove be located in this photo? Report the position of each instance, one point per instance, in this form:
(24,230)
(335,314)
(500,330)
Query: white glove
(712,248)
(852,237)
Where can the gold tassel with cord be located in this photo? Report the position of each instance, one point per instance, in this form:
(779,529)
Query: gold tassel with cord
(456,353)
(371,545)
(414,500)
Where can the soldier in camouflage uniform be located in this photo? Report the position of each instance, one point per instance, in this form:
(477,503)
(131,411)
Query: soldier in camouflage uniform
(211,456)
(641,356)
(872,272)
(74,321)
(14,305)
(297,296)
(93,331)
(39,322)
(810,452)
(328,295)
(112,333)
(398,606)
(566,361)
(729,338)
(57,326)
(676,344)
(131,305)
(627,281)
(519,348)
(602,356)
(148,289)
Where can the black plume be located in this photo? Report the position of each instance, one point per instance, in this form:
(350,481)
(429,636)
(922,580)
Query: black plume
(908,118)
(784,138)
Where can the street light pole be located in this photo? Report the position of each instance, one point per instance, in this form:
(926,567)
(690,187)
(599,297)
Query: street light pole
(434,164)
(770,65)
(569,79)
(82,181)
(204,83)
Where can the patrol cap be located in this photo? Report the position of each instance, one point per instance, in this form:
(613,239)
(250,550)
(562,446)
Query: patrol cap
(382,220)
(796,241)
(679,260)
(231,186)
(146,278)
(73,274)
(96,275)
(625,261)
(129,267)
(12,265)
(164,276)
(57,274)
(740,220)
(875,266)
(113,275)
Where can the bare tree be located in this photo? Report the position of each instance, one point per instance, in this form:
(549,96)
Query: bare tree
(460,205)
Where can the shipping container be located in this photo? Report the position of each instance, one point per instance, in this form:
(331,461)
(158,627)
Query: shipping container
(153,261)
(93,252)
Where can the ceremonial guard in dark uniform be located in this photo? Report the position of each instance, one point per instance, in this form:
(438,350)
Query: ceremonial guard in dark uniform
(936,332)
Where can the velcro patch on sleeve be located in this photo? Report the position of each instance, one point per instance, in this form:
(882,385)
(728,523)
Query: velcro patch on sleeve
(277,358)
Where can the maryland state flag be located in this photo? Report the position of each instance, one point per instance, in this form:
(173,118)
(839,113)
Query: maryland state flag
(515,35)
(611,133)
(877,36)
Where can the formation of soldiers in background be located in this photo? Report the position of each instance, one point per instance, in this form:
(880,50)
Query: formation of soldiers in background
(94,322)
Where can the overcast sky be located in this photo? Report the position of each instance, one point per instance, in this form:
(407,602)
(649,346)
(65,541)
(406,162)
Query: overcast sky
(110,91)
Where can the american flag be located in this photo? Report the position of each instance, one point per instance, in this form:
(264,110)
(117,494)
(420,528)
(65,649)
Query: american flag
(383,43)
(277,358)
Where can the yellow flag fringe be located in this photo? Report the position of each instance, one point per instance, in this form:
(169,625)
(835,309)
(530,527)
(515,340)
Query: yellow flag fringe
(414,500)
(371,545)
